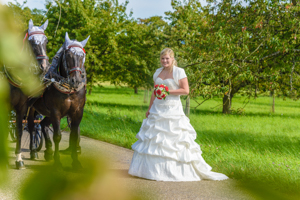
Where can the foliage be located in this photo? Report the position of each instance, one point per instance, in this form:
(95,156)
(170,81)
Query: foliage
(100,19)
(96,181)
(115,52)
(22,14)
(137,57)
(228,46)
(14,60)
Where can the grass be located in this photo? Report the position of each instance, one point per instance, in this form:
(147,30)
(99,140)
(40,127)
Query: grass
(254,146)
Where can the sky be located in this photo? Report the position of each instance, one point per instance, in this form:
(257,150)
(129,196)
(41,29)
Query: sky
(140,8)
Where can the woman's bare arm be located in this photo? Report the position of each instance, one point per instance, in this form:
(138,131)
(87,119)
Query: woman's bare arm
(183,88)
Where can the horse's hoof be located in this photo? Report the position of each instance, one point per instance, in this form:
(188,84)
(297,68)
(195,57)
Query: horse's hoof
(34,156)
(20,165)
(77,166)
(48,156)
(68,151)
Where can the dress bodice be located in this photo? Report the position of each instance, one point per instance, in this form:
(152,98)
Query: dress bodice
(168,82)
(171,85)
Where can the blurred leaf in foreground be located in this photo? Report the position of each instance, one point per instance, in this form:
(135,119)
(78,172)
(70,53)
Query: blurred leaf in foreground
(19,65)
(3,128)
(96,182)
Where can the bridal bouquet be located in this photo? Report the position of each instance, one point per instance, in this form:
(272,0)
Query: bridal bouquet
(161,91)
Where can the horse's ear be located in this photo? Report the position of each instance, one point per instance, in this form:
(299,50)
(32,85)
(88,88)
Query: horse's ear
(85,41)
(30,26)
(44,26)
(67,39)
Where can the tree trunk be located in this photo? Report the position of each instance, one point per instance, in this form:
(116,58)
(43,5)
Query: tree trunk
(255,95)
(227,103)
(135,90)
(187,107)
(90,90)
(146,95)
(272,94)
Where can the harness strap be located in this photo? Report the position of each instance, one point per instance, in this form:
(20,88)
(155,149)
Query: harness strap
(42,57)
(23,126)
(26,36)
(75,69)
(78,47)
(10,79)
(36,32)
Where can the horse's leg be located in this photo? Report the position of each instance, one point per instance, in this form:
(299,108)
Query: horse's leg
(20,112)
(48,153)
(74,140)
(56,138)
(30,119)
(68,150)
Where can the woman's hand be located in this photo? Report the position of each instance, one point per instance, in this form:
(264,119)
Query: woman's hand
(147,113)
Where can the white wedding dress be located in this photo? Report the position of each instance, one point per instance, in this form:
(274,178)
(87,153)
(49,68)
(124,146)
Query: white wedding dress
(166,150)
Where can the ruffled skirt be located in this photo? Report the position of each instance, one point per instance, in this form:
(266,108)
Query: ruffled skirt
(166,149)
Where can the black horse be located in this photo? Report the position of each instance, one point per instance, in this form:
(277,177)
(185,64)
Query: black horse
(66,98)
(36,46)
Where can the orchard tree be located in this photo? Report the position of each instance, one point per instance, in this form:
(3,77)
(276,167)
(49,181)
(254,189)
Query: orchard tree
(102,20)
(229,46)
(137,58)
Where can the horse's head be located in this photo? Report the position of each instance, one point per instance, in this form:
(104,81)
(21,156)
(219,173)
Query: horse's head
(38,42)
(73,61)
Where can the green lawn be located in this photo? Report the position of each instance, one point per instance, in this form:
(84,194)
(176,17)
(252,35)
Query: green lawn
(256,146)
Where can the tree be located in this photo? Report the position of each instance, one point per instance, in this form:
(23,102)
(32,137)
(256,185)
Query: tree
(22,14)
(229,46)
(103,20)
(137,58)
(115,52)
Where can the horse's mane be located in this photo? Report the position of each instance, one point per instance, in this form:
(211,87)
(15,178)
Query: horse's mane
(60,59)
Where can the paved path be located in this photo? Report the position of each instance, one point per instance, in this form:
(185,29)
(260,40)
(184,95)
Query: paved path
(119,161)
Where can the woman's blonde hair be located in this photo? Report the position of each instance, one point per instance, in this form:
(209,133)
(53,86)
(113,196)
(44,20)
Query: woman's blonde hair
(170,52)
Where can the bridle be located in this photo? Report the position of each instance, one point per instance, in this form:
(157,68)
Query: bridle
(75,68)
(63,64)
(69,84)
(38,57)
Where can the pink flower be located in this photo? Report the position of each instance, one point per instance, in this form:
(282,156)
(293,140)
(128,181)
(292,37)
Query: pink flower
(156,86)
(163,96)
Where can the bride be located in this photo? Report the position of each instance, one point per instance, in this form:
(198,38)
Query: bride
(166,150)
